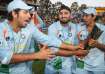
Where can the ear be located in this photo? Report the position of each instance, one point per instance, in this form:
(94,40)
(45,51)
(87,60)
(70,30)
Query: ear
(14,14)
(94,17)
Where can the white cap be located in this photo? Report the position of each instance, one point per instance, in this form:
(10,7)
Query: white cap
(15,4)
(90,11)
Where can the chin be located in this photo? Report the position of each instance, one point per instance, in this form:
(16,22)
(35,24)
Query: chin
(23,26)
(64,22)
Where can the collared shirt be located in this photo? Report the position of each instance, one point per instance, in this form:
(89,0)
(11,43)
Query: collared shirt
(21,42)
(64,33)
(95,60)
(68,35)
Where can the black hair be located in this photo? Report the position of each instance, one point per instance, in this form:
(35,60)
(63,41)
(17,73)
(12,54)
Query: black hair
(103,14)
(64,7)
(95,18)
(92,15)
(9,16)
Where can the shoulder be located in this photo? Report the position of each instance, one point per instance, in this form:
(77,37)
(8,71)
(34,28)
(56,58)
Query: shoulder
(2,25)
(82,27)
(73,25)
(54,25)
(101,26)
(30,26)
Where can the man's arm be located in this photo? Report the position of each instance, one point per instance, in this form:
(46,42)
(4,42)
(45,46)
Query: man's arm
(43,54)
(67,53)
(17,58)
(51,41)
(95,43)
(70,47)
(101,46)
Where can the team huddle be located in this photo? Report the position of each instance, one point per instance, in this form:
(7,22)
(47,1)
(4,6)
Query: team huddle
(68,48)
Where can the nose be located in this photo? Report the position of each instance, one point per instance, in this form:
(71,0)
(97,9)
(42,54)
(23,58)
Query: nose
(28,15)
(63,15)
(84,17)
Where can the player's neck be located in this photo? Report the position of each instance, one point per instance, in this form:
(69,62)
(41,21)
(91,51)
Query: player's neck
(91,26)
(14,26)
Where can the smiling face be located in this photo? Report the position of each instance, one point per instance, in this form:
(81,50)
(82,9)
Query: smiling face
(64,16)
(21,18)
(89,18)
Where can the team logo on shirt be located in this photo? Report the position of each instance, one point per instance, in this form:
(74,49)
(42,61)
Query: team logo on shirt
(82,35)
(22,36)
(63,35)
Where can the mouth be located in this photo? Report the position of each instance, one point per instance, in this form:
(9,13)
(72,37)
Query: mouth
(24,24)
(27,21)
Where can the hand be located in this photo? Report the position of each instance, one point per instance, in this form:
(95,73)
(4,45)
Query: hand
(44,53)
(80,46)
(93,43)
(73,48)
(33,16)
(81,52)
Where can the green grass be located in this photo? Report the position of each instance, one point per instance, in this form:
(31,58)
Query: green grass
(38,67)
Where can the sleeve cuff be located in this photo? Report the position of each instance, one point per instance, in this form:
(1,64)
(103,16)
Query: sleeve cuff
(7,58)
(54,50)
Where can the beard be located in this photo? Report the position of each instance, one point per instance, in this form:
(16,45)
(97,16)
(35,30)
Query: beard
(22,26)
(64,21)
(25,24)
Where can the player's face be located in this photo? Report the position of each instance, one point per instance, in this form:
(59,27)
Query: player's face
(64,16)
(23,18)
(88,18)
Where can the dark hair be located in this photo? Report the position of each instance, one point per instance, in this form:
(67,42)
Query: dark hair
(64,7)
(9,16)
(103,14)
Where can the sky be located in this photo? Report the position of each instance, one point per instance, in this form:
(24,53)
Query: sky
(93,3)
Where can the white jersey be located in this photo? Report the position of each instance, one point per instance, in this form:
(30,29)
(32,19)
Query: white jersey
(21,42)
(95,60)
(68,35)
(64,33)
